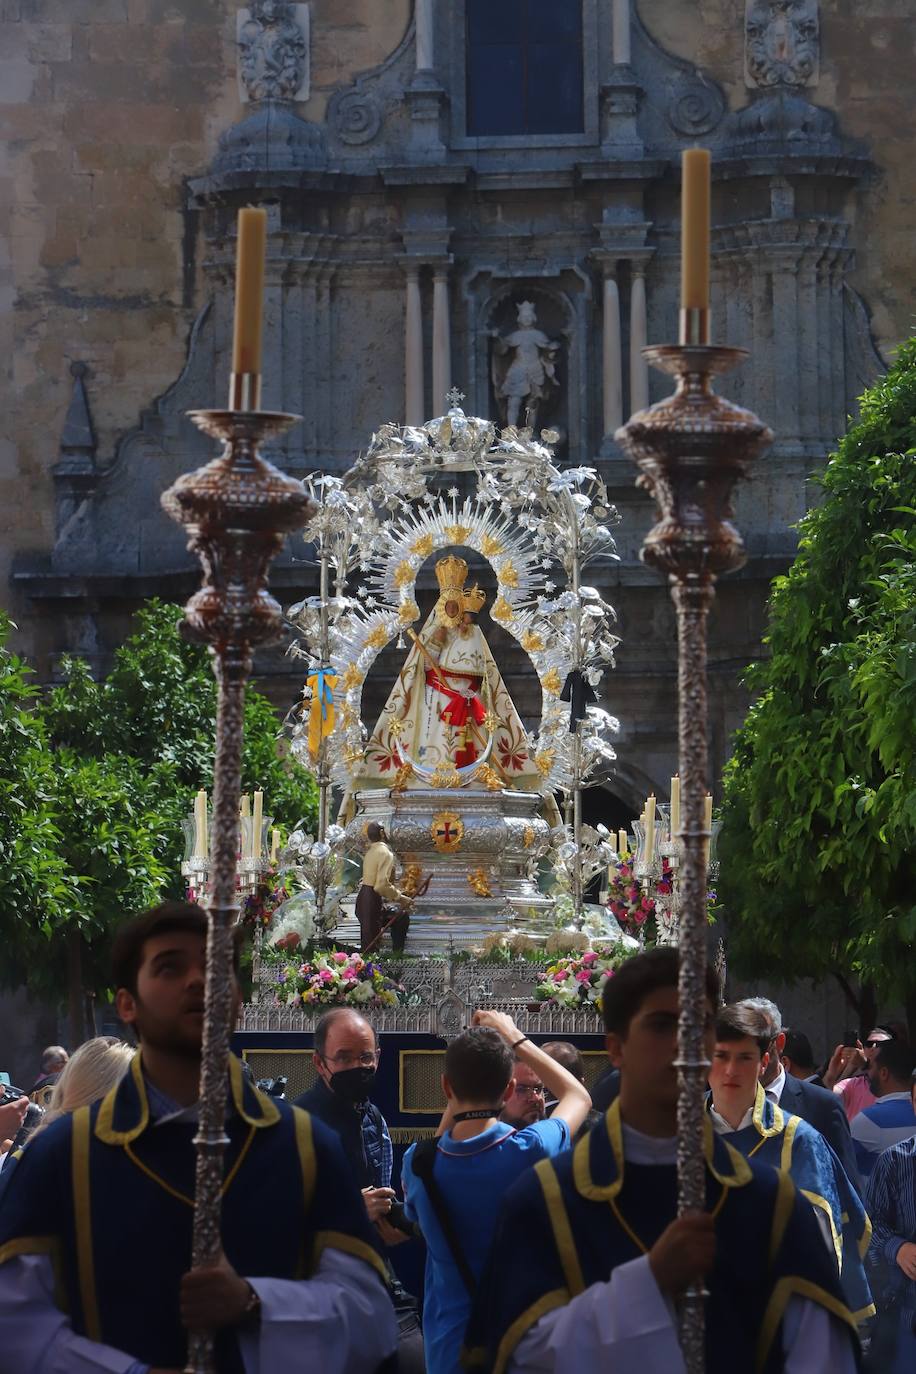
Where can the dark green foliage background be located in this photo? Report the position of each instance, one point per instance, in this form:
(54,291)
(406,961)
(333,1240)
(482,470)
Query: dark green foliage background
(95,780)
(817,846)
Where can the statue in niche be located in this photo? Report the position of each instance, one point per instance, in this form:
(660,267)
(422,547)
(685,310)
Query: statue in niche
(524,368)
(781,43)
(273,50)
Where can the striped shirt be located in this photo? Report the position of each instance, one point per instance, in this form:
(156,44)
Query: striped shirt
(887,1122)
(891,1204)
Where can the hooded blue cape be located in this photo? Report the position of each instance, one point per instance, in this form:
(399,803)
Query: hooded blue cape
(790,1144)
(576,1217)
(110,1198)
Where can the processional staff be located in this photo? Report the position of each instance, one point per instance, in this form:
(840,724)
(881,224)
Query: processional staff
(237,510)
(691,450)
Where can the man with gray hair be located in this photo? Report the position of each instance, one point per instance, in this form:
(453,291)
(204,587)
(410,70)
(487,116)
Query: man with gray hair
(53,1060)
(820,1108)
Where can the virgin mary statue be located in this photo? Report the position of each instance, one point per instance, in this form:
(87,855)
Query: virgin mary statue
(449,707)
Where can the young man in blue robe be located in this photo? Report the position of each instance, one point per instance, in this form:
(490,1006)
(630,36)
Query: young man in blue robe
(741,1112)
(589,1257)
(95,1225)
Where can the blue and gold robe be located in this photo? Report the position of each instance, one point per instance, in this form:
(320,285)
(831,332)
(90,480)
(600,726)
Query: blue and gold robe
(575,1218)
(109,1197)
(795,1147)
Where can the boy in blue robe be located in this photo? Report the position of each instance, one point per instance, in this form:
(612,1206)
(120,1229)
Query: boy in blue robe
(589,1257)
(752,1124)
(95,1225)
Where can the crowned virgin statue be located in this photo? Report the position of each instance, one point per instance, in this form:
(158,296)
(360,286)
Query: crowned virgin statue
(449,711)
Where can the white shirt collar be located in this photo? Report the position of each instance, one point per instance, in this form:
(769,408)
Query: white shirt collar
(774,1089)
(722,1127)
(648,1149)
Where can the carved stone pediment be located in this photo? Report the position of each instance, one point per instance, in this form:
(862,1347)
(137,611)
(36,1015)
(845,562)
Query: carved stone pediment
(781,43)
(273,44)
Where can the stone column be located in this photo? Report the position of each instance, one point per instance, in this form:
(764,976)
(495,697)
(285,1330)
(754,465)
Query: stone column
(612,371)
(442,340)
(639,368)
(620,32)
(413,350)
(423,19)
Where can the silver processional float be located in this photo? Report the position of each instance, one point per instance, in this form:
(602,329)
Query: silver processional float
(691,449)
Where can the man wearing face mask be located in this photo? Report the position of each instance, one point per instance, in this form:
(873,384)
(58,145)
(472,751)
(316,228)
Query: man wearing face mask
(346,1057)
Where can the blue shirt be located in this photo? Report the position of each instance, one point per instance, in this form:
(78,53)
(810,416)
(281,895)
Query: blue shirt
(886,1122)
(473,1176)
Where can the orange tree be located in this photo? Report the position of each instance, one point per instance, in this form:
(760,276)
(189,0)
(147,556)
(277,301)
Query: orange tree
(818,844)
(95,779)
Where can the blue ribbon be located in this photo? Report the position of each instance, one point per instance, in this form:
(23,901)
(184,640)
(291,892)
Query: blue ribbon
(325,691)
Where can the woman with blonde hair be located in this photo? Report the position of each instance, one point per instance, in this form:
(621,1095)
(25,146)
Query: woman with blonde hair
(89,1074)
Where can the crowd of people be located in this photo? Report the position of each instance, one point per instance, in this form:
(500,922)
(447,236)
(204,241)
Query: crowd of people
(548,1213)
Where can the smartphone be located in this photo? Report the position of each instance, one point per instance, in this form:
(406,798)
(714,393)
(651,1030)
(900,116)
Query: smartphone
(850,1039)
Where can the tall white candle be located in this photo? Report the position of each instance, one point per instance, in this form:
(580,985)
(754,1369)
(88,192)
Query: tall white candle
(244,815)
(201,846)
(257,824)
(650,828)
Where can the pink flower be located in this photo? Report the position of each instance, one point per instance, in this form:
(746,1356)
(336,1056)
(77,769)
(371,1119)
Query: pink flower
(583,976)
(339,957)
(326,976)
(559,977)
(589,957)
(639,916)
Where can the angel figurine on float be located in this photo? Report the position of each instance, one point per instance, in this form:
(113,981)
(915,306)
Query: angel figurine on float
(449,711)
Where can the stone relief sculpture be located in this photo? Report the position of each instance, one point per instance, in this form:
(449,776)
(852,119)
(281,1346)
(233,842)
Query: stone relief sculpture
(524,368)
(273,43)
(781,43)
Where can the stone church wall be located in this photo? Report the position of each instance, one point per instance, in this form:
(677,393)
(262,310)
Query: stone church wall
(118,191)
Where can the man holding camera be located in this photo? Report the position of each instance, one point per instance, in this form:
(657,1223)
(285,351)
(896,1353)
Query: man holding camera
(346,1058)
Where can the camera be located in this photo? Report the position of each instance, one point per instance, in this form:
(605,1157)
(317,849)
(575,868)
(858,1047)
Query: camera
(273,1087)
(33,1114)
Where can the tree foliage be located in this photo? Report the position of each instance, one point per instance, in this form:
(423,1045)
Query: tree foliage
(817,845)
(95,780)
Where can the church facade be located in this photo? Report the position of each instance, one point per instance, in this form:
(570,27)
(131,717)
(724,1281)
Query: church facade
(459,195)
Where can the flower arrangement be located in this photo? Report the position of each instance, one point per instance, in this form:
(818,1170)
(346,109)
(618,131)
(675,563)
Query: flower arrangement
(626,900)
(335,978)
(578,980)
(259,906)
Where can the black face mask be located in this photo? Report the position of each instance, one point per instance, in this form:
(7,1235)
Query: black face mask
(353,1085)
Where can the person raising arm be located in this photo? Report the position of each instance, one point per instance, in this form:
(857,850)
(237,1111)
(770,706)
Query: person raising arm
(573,1099)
